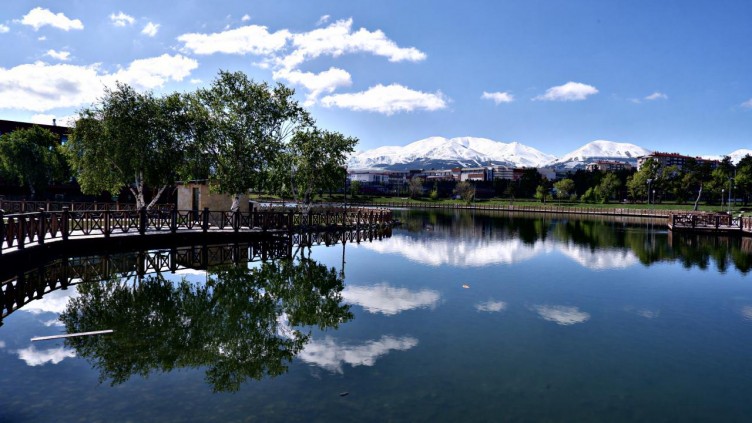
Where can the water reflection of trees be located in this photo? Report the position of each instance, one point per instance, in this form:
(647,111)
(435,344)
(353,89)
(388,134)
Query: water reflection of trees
(242,323)
(647,239)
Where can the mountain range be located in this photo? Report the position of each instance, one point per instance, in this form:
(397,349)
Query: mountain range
(443,153)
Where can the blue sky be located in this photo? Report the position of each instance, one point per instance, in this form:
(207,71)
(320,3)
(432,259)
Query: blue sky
(552,74)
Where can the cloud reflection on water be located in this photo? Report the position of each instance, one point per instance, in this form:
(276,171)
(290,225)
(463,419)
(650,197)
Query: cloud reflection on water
(561,315)
(331,356)
(483,252)
(34,357)
(491,306)
(389,300)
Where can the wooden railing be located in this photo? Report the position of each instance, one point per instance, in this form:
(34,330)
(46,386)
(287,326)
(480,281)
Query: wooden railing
(710,221)
(18,230)
(25,206)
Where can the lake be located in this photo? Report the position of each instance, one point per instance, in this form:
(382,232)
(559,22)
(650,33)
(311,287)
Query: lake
(457,316)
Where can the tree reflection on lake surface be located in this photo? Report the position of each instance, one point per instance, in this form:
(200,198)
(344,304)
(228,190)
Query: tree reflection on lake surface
(242,323)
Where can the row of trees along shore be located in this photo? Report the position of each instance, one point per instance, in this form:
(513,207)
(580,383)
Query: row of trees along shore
(239,134)
(693,182)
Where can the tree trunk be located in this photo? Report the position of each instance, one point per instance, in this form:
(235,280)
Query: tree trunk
(699,194)
(156,197)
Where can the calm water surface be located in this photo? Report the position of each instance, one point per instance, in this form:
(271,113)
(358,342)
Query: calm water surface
(455,317)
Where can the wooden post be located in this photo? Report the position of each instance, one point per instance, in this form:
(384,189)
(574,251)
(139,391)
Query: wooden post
(21,233)
(2,229)
(41,227)
(65,223)
(174,219)
(205,222)
(142,220)
(236,220)
(107,221)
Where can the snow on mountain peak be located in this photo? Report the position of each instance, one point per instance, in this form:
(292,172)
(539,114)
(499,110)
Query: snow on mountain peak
(605,149)
(460,150)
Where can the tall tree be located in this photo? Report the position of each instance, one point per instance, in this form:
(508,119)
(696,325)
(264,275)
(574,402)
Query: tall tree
(608,186)
(33,157)
(314,160)
(240,126)
(415,187)
(129,140)
(564,188)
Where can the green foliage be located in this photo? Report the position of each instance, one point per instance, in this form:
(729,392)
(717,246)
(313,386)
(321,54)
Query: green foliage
(434,195)
(314,160)
(607,187)
(129,139)
(564,188)
(33,157)
(541,193)
(354,188)
(241,126)
(415,187)
(466,191)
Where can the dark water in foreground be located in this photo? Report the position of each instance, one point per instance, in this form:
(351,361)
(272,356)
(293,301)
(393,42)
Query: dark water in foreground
(455,317)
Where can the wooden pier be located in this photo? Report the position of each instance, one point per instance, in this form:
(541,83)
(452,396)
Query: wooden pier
(712,223)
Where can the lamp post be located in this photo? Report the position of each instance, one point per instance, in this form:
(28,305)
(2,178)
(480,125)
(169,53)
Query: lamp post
(653,196)
(731,187)
(650,181)
(723,198)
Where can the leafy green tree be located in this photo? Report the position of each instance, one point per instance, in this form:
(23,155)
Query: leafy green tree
(434,195)
(466,191)
(637,184)
(129,140)
(529,181)
(241,127)
(564,188)
(541,193)
(315,160)
(354,188)
(415,187)
(744,177)
(608,186)
(33,157)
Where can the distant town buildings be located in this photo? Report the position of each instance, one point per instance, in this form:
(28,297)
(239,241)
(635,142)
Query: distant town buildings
(673,159)
(608,166)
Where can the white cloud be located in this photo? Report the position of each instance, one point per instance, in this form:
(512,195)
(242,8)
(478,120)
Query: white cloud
(41,87)
(246,18)
(195,81)
(253,39)
(561,315)
(322,20)
(338,39)
(498,97)
(121,19)
(656,96)
(46,119)
(316,83)
(571,91)
(331,356)
(34,357)
(2,344)
(150,29)
(388,300)
(387,99)
(491,306)
(155,71)
(747,104)
(42,38)
(59,55)
(4,29)
(39,17)
(55,301)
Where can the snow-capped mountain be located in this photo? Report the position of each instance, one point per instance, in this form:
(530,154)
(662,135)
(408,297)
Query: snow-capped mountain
(441,152)
(602,149)
(735,156)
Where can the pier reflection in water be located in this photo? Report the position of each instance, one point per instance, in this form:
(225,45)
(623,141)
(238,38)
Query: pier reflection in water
(457,316)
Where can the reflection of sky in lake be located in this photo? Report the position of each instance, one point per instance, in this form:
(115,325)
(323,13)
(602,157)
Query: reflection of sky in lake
(545,329)
(385,299)
(485,252)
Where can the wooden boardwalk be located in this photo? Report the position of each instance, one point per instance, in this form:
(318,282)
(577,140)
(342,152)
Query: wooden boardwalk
(22,231)
(712,223)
